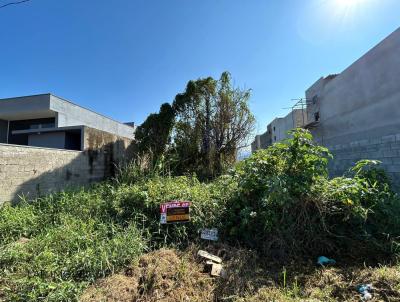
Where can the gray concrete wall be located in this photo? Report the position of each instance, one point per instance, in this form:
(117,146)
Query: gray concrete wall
(49,140)
(278,128)
(281,126)
(27,170)
(359,110)
(27,107)
(32,171)
(362,102)
(255,145)
(3,131)
(385,149)
(69,114)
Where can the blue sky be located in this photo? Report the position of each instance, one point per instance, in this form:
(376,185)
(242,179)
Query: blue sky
(123,58)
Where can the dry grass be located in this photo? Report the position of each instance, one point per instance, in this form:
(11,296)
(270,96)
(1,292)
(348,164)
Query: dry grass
(163,275)
(168,275)
(334,284)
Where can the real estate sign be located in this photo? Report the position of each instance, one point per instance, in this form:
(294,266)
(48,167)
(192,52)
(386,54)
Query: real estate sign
(175,211)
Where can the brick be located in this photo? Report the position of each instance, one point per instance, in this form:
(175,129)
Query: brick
(390,153)
(396,160)
(375,141)
(393,169)
(389,138)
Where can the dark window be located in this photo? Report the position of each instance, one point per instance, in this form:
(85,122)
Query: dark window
(73,140)
(316,116)
(275,138)
(274,128)
(22,139)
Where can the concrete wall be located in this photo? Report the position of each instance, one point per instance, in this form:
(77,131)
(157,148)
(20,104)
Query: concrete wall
(27,107)
(69,114)
(385,148)
(359,110)
(255,145)
(363,102)
(3,131)
(280,126)
(26,170)
(31,171)
(115,149)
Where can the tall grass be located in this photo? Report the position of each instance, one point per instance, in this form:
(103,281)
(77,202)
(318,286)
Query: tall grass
(53,248)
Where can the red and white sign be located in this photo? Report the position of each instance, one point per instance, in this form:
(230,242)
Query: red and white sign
(175,211)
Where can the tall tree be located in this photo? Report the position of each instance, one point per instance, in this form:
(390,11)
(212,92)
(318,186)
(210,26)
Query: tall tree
(213,121)
(153,136)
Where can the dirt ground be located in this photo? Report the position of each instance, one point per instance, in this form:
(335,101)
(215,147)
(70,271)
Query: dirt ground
(170,275)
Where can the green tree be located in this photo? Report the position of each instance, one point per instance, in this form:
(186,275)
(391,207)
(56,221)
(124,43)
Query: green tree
(153,136)
(213,121)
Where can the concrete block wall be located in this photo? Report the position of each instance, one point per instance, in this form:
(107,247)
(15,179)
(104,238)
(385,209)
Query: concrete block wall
(385,149)
(33,171)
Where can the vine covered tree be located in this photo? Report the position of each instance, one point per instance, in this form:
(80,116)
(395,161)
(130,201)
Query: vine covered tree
(213,121)
(203,129)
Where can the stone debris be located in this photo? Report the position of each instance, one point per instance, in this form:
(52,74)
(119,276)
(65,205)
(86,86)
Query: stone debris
(216,270)
(213,264)
(209,256)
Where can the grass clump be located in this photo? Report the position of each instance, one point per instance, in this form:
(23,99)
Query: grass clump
(66,249)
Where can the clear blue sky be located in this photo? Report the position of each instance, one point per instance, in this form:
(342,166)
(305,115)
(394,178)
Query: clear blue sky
(123,58)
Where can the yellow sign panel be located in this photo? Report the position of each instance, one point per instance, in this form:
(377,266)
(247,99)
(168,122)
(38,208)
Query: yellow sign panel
(172,218)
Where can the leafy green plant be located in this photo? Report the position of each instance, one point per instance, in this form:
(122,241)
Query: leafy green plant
(287,206)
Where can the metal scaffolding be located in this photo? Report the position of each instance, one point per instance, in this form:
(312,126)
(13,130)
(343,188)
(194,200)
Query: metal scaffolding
(302,104)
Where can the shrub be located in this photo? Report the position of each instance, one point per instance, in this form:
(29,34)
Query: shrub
(287,206)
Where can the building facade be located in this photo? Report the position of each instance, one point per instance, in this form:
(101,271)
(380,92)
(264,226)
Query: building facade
(278,129)
(49,121)
(48,144)
(356,113)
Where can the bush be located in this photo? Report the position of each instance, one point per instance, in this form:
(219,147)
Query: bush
(287,206)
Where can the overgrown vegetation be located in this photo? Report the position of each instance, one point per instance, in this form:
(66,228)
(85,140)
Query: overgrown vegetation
(53,248)
(287,206)
(201,132)
(279,203)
